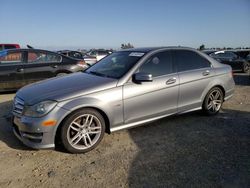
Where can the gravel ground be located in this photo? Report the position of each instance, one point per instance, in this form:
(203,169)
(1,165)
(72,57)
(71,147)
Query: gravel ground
(190,150)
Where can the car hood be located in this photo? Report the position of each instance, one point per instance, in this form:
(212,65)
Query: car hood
(63,88)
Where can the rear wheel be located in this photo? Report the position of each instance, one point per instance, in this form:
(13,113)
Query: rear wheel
(82,131)
(213,101)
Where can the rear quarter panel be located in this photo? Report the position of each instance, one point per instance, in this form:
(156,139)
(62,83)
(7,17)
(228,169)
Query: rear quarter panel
(223,77)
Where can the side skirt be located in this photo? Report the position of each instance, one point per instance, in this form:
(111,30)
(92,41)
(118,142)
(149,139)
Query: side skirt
(138,123)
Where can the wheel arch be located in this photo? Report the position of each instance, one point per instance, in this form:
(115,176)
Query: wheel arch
(104,115)
(216,85)
(62,71)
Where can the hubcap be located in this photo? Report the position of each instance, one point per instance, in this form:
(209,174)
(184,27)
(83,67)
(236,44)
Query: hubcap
(84,131)
(214,101)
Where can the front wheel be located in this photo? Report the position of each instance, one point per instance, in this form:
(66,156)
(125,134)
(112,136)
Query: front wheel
(213,101)
(82,131)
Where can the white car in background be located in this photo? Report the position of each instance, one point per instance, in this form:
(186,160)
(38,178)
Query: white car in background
(99,54)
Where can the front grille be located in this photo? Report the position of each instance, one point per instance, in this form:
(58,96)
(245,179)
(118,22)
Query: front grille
(18,106)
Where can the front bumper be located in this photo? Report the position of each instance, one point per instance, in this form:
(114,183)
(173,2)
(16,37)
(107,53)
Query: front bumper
(33,133)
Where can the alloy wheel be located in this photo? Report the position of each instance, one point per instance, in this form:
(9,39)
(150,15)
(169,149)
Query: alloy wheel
(214,101)
(84,131)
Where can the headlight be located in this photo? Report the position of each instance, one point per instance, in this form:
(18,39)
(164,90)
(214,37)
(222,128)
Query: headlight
(39,109)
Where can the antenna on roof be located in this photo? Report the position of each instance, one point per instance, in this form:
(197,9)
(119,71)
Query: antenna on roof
(30,47)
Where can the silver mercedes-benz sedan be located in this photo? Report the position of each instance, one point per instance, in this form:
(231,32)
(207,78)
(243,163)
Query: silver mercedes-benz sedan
(123,90)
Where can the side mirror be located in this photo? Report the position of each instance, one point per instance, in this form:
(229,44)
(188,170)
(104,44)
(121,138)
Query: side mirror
(142,77)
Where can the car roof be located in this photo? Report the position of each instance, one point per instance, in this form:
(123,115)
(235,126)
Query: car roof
(149,49)
(9,44)
(28,49)
(61,51)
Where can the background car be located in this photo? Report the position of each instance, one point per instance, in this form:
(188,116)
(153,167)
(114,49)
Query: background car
(70,53)
(232,59)
(90,60)
(9,46)
(242,52)
(19,67)
(99,54)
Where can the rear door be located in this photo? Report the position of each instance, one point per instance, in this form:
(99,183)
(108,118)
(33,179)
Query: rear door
(11,70)
(40,65)
(195,73)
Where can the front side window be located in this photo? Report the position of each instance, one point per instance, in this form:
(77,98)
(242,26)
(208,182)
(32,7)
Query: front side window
(43,57)
(115,65)
(189,60)
(158,65)
(10,57)
(102,53)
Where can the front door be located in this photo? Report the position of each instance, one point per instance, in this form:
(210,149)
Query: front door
(152,99)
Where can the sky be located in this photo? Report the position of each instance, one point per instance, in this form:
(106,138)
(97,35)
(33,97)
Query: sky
(55,24)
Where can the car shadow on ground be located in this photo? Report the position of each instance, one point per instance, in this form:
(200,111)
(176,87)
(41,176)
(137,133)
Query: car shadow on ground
(242,79)
(193,150)
(6,134)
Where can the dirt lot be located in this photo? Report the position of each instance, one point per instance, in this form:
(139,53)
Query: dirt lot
(190,150)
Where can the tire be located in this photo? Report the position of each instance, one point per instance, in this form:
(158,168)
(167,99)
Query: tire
(246,67)
(82,131)
(213,101)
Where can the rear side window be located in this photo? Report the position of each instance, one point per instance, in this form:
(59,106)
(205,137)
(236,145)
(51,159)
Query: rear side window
(9,46)
(158,65)
(43,57)
(10,58)
(1,47)
(189,60)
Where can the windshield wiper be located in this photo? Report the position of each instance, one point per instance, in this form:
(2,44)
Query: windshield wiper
(98,74)
(101,74)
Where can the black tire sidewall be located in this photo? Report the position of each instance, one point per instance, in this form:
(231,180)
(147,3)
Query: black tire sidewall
(68,121)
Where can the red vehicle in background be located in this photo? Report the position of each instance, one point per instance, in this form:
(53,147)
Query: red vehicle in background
(9,46)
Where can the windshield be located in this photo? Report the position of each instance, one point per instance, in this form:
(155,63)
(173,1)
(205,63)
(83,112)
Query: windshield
(116,64)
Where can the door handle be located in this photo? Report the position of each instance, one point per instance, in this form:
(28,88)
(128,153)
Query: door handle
(20,70)
(171,81)
(54,66)
(207,72)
